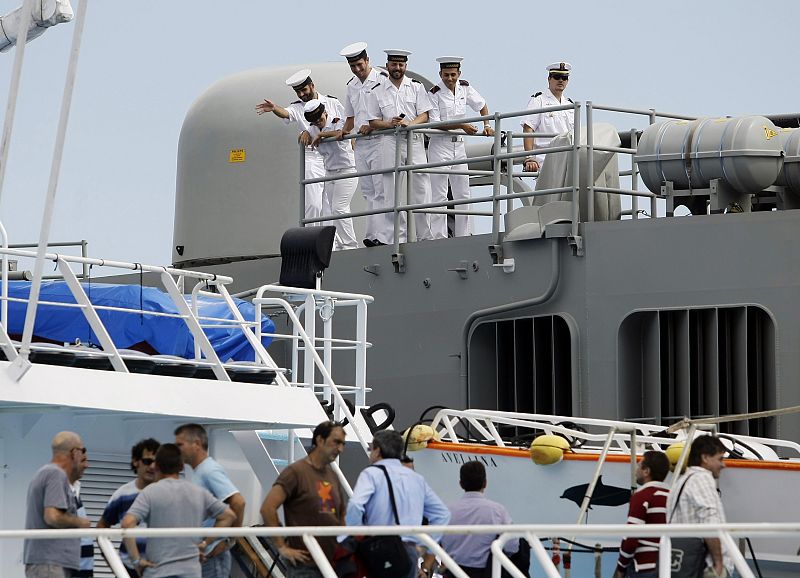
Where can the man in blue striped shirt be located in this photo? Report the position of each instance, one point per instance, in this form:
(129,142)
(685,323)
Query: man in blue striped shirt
(370,504)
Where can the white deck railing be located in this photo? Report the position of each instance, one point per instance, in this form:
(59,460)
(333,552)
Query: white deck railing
(534,534)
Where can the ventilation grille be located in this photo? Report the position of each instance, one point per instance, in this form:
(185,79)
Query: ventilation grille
(522,365)
(698,363)
(104,475)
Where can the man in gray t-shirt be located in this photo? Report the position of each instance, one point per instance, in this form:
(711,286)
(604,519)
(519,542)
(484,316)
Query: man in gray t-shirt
(172,503)
(51,504)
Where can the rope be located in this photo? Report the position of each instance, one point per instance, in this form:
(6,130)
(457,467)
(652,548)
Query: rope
(686,422)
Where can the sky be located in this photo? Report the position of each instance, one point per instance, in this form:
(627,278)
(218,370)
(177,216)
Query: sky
(143,63)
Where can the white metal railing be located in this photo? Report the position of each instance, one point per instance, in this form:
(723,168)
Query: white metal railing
(533,533)
(502,155)
(305,341)
(593,432)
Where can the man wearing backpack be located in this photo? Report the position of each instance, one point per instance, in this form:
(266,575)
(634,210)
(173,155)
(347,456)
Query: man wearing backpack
(387,493)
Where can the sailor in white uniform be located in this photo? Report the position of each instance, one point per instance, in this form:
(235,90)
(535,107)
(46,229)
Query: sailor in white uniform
(401,101)
(558,122)
(368,149)
(304,88)
(450,99)
(338,157)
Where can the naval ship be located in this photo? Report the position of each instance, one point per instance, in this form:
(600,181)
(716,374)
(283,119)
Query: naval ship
(570,315)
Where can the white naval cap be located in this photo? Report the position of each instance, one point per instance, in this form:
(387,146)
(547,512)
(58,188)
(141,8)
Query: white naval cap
(450,61)
(313,110)
(397,55)
(562,67)
(354,51)
(299,78)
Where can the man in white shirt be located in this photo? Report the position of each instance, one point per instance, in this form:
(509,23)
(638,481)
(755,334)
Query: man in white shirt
(368,152)
(401,101)
(304,88)
(338,158)
(696,500)
(555,122)
(450,99)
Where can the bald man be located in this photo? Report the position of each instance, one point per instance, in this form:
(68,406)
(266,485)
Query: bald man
(51,504)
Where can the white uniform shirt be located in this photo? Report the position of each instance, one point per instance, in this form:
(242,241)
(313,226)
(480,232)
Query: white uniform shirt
(386,101)
(336,154)
(355,104)
(453,105)
(557,121)
(295,111)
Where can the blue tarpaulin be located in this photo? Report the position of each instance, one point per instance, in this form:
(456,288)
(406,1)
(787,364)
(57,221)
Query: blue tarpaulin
(167,335)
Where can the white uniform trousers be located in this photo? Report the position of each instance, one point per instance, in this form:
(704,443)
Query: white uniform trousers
(444,148)
(315,169)
(369,157)
(337,202)
(420,188)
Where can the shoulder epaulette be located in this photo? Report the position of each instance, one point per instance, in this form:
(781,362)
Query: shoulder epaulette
(351,80)
(569,99)
(414,80)
(297,102)
(384,73)
(535,95)
(331,96)
(435,89)
(463,83)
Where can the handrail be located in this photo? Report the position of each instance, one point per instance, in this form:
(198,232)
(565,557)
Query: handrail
(484,422)
(504,533)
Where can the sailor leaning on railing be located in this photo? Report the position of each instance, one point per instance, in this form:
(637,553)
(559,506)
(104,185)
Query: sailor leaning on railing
(388,99)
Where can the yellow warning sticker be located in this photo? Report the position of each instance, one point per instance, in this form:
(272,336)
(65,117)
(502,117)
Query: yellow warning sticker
(237,156)
(769,133)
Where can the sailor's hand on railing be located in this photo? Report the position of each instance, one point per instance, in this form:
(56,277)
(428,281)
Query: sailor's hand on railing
(469,129)
(531,165)
(266,106)
(316,141)
(365,129)
(304,138)
(294,556)
(488,130)
(399,121)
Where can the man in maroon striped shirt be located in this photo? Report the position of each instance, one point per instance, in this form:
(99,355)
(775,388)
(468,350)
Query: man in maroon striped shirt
(648,506)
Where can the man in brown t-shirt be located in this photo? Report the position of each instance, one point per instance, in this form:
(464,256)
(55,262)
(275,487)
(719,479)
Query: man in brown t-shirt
(310,494)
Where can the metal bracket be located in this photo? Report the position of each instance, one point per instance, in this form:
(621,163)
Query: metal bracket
(496,251)
(462,270)
(374,269)
(576,242)
(399,262)
(507,265)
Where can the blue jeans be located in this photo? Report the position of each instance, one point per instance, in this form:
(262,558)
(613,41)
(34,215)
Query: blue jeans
(218,566)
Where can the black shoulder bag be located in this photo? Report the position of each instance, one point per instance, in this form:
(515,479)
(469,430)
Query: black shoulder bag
(385,556)
(688,554)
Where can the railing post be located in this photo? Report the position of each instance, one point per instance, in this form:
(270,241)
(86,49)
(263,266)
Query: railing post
(319,556)
(576,164)
(310,322)
(84,254)
(112,557)
(397,257)
(654,199)
(589,163)
(302,208)
(4,273)
(633,460)
(664,557)
(411,229)
(634,175)
(509,170)
(327,346)
(496,150)
(361,353)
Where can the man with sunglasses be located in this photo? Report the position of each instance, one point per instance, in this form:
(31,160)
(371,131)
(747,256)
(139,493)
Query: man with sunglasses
(143,456)
(51,504)
(554,122)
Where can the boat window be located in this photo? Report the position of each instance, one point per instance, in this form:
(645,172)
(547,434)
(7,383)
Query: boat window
(698,363)
(522,365)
